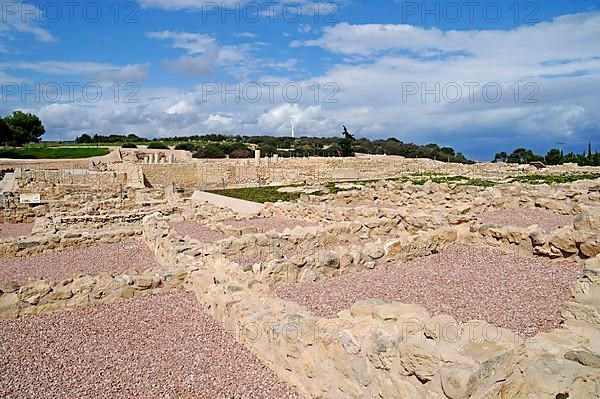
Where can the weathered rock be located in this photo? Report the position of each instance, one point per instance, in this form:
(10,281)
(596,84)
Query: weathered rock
(494,359)
(34,291)
(564,242)
(591,247)
(420,360)
(584,358)
(10,306)
(331,260)
(374,251)
(459,381)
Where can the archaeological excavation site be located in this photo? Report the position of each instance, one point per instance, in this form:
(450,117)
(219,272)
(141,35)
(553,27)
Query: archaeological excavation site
(149,274)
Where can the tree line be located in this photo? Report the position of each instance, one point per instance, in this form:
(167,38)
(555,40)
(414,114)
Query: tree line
(554,157)
(20,128)
(239,146)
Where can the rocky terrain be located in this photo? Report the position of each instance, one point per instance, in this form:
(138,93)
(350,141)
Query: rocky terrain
(387,288)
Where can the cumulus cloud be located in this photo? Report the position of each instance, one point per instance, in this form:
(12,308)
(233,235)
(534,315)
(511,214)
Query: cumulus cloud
(19,17)
(375,63)
(89,70)
(204,54)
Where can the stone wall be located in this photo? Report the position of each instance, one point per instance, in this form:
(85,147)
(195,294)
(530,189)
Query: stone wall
(43,296)
(378,349)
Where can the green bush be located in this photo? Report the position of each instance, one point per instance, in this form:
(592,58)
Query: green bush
(191,147)
(241,154)
(157,145)
(210,151)
(129,145)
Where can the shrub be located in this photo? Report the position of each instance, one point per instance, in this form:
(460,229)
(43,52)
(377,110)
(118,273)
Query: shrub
(129,145)
(157,145)
(191,147)
(210,151)
(241,154)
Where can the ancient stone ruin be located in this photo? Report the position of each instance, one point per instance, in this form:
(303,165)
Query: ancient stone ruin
(119,282)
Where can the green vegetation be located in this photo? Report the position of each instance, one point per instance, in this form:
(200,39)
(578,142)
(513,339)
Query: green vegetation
(553,157)
(237,146)
(157,145)
(51,153)
(439,180)
(479,183)
(258,194)
(186,147)
(20,128)
(270,193)
(129,145)
(554,179)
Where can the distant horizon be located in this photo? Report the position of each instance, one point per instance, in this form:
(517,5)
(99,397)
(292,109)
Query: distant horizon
(458,150)
(481,79)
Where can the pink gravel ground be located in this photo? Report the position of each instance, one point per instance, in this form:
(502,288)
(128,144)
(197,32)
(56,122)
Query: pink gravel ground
(160,346)
(110,258)
(267,224)
(470,283)
(11,230)
(545,219)
(198,231)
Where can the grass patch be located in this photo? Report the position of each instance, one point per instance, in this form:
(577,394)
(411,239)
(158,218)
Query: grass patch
(270,193)
(440,179)
(258,194)
(51,153)
(479,183)
(554,179)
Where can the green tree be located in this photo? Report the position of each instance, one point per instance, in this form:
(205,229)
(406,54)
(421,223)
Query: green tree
(84,139)
(25,128)
(212,150)
(553,157)
(5,133)
(191,147)
(501,157)
(157,145)
(346,143)
(267,149)
(522,155)
(240,153)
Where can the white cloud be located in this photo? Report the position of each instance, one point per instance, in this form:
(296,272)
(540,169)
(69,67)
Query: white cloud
(188,4)
(89,70)
(374,63)
(246,35)
(204,54)
(19,17)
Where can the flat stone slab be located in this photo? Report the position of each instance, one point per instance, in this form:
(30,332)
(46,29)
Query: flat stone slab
(239,206)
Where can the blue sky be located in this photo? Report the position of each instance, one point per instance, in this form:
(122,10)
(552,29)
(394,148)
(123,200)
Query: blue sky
(480,76)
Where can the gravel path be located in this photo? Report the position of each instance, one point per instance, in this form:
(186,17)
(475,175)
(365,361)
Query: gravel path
(267,224)
(160,346)
(11,230)
(469,283)
(110,258)
(545,219)
(198,231)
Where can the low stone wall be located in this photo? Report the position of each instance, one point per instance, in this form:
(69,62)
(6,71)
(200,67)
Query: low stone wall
(43,296)
(391,350)
(567,199)
(50,241)
(579,241)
